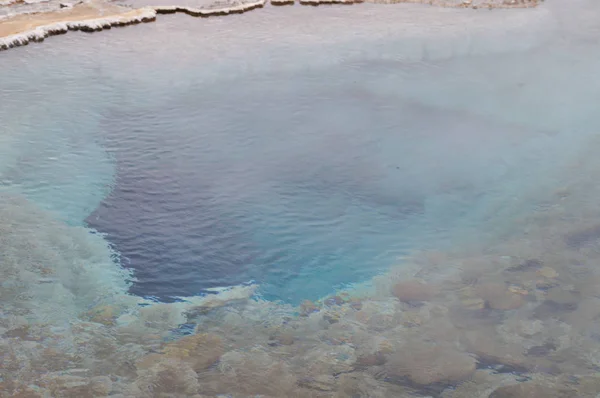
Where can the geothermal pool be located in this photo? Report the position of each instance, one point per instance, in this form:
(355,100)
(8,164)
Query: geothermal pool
(280,149)
(209,165)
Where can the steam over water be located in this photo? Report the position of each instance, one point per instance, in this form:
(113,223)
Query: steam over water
(224,168)
(303,151)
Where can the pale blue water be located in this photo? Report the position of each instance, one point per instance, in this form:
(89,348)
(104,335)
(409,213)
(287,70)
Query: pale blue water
(301,169)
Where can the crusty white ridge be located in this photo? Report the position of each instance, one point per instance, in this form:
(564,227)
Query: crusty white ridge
(90,25)
(323,2)
(146,14)
(207,12)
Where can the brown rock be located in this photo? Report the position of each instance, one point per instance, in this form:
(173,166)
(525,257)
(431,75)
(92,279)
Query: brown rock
(254,372)
(68,386)
(473,303)
(563,297)
(425,364)
(532,390)
(359,384)
(320,383)
(170,377)
(589,385)
(411,291)
(24,392)
(282,338)
(200,351)
(104,314)
(375,359)
(307,307)
(363,316)
(558,302)
(490,348)
(100,385)
(547,272)
(335,300)
(497,296)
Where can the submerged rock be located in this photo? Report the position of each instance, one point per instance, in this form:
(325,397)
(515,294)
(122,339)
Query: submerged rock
(328,359)
(424,364)
(547,272)
(563,297)
(199,351)
(104,314)
(255,372)
(527,265)
(380,315)
(358,384)
(533,390)
(166,379)
(319,382)
(282,338)
(492,350)
(413,291)
(307,307)
(375,359)
(480,384)
(69,386)
(499,297)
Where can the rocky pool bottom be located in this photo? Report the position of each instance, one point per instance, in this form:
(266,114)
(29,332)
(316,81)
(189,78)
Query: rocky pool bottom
(516,318)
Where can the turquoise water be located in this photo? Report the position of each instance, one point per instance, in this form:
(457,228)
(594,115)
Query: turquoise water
(301,170)
(303,180)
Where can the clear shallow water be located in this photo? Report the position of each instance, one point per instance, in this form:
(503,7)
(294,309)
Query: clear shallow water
(313,160)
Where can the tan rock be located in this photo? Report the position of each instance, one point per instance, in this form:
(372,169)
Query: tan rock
(480,384)
(359,384)
(68,386)
(200,351)
(413,291)
(363,316)
(386,346)
(497,296)
(319,382)
(380,315)
(100,385)
(424,364)
(148,361)
(307,307)
(255,372)
(167,378)
(104,314)
(473,303)
(547,272)
(489,347)
(532,390)
(282,338)
(563,297)
(516,289)
(22,392)
(375,359)
(589,385)
(328,359)
(412,319)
